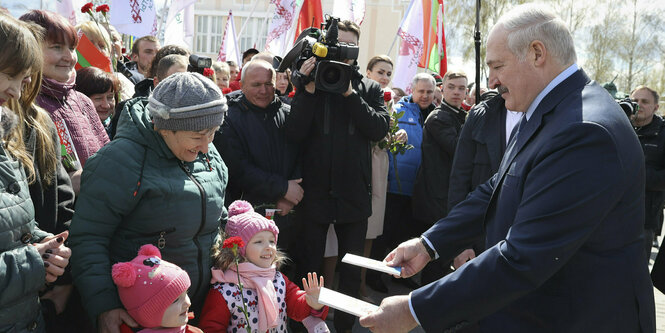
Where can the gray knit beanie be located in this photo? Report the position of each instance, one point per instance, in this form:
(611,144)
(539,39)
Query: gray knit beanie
(187,102)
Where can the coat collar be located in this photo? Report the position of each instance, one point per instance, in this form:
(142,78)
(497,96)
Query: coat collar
(547,105)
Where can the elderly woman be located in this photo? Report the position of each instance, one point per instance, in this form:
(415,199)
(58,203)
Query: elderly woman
(160,181)
(101,88)
(29,257)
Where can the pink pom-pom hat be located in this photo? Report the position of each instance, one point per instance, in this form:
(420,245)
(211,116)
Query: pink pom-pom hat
(244,222)
(147,285)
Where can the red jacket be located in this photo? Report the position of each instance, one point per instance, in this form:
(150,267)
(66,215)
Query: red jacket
(215,316)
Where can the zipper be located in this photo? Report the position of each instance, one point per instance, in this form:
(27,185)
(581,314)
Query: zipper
(161,241)
(187,171)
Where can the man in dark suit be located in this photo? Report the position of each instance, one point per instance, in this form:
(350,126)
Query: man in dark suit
(562,216)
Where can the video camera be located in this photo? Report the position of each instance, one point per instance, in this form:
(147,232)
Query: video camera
(197,63)
(330,74)
(628,106)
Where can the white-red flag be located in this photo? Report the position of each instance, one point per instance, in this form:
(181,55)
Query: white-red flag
(411,47)
(66,9)
(134,17)
(229,50)
(352,10)
(180,30)
(282,29)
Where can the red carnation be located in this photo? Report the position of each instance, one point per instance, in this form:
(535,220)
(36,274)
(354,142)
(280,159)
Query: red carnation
(291,94)
(226,90)
(207,72)
(103,8)
(230,242)
(387,96)
(86,8)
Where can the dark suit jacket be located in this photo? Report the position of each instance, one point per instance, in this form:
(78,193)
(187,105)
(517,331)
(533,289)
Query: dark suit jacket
(479,149)
(563,221)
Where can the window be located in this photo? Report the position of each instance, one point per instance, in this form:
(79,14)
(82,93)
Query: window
(255,33)
(210,29)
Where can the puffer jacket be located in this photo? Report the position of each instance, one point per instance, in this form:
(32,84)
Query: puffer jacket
(22,272)
(407,164)
(64,104)
(134,191)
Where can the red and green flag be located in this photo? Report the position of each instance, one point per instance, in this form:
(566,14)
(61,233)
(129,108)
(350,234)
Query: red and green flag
(88,55)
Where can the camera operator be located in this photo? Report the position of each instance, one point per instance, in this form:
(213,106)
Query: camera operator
(335,130)
(650,129)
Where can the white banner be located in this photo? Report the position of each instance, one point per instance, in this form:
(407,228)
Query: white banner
(352,10)
(134,17)
(180,31)
(66,9)
(229,51)
(411,33)
(282,27)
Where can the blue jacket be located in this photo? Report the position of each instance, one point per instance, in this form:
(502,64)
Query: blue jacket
(407,164)
(563,218)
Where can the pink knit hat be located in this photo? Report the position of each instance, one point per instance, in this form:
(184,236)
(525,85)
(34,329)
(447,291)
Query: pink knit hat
(245,223)
(148,285)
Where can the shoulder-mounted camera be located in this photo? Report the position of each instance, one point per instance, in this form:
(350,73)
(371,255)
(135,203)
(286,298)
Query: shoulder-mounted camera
(331,74)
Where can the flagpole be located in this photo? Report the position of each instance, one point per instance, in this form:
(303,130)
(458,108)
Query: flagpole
(429,37)
(247,20)
(477,42)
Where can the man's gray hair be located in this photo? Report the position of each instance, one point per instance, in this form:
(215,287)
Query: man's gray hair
(529,22)
(422,77)
(255,63)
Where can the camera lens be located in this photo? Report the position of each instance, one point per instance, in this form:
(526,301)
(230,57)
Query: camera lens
(331,75)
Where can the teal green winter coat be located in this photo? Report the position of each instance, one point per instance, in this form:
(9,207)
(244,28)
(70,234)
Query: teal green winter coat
(134,191)
(22,272)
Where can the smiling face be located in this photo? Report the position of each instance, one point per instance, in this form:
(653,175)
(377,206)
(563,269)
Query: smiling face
(186,145)
(517,81)
(11,86)
(423,93)
(262,249)
(59,60)
(104,104)
(176,314)
(381,73)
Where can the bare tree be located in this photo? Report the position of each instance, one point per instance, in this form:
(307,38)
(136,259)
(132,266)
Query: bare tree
(601,48)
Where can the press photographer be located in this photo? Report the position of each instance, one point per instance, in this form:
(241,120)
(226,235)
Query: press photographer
(336,130)
(650,130)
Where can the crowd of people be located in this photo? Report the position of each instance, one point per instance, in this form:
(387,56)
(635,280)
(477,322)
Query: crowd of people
(145,194)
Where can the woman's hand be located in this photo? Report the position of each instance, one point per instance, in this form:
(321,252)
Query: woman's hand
(312,287)
(55,255)
(110,321)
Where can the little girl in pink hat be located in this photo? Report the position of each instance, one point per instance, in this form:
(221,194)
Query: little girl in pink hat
(154,292)
(269,296)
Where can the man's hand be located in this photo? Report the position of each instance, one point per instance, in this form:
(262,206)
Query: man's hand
(306,68)
(284,206)
(110,321)
(463,257)
(348,91)
(55,255)
(393,315)
(410,255)
(294,192)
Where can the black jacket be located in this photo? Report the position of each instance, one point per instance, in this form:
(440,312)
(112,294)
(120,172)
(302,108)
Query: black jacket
(335,132)
(652,139)
(253,145)
(479,150)
(440,134)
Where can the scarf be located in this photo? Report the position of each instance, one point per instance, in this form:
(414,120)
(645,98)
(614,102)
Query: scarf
(257,278)
(181,329)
